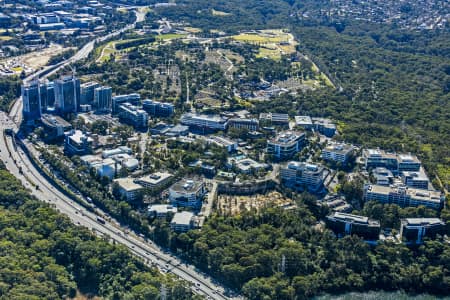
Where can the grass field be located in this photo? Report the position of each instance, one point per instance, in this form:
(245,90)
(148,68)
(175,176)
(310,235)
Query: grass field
(192,29)
(170,36)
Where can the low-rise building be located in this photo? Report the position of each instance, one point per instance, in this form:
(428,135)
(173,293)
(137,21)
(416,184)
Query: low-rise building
(133,115)
(128,189)
(304,122)
(183,221)
(286,144)
(275,118)
(134,99)
(418,180)
(204,123)
(383,176)
(403,196)
(187,193)
(246,165)
(177,130)
(249,124)
(347,224)
(413,230)
(77,143)
(158,109)
(222,142)
(324,126)
(337,152)
(161,210)
(55,126)
(302,176)
(408,162)
(378,158)
(155,180)
(116,151)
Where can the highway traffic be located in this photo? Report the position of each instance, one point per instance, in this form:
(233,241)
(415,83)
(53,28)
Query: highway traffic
(19,164)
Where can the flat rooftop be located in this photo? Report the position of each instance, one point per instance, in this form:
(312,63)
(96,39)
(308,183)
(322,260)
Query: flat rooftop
(287,137)
(339,148)
(422,221)
(182,218)
(353,218)
(128,184)
(186,186)
(155,178)
(425,195)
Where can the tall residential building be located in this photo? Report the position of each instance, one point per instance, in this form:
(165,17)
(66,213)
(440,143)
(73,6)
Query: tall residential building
(204,122)
(187,193)
(133,115)
(302,176)
(286,144)
(31,101)
(413,230)
(134,99)
(403,196)
(67,94)
(87,92)
(348,224)
(103,98)
(158,109)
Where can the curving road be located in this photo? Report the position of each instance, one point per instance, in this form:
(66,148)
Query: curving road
(19,164)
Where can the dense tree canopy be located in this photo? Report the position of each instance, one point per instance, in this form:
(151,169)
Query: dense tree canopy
(44,256)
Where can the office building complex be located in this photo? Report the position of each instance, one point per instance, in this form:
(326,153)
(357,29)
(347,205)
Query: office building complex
(31,101)
(161,210)
(78,143)
(408,162)
(304,121)
(158,109)
(204,123)
(275,118)
(54,126)
(347,224)
(418,180)
(222,142)
(182,221)
(339,153)
(391,161)
(324,126)
(302,176)
(128,189)
(413,230)
(155,180)
(403,196)
(378,158)
(286,144)
(249,124)
(187,193)
(383,176)
(103,98)
(134,99)
(87,92)
(67,94)
(133,115)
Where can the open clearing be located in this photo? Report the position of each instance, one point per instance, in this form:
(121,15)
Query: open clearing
(218,13)
(273,43)
(234,205)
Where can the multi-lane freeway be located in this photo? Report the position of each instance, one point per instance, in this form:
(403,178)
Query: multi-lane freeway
(19,164)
